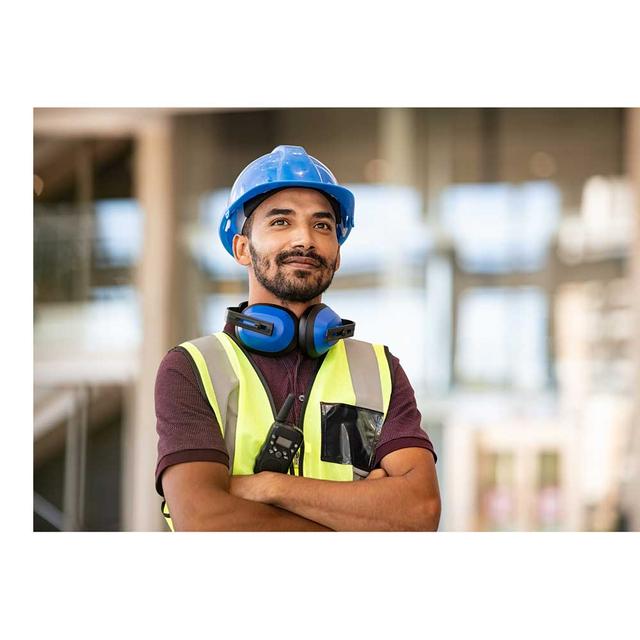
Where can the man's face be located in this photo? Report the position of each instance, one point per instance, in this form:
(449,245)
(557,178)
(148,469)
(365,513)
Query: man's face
(293,249)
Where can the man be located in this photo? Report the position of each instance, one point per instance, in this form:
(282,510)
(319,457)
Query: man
(351,454)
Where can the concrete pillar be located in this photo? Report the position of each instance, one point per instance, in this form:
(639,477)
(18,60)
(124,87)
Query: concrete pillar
(439,159)
(461,478)
(631,479)
(156,284)
(75,462)
(397,137)
(197,153)
(396,140)
(84,211)
(440,273)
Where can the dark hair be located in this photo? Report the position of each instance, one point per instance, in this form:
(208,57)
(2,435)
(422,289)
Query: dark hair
(246,227)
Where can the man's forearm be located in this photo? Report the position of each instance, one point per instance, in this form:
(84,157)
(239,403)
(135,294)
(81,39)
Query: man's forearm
(198,497)
(230,513)
(245,515)
(386,504)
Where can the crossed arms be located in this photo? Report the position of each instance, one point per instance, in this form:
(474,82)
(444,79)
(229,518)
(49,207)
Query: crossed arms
(401,496)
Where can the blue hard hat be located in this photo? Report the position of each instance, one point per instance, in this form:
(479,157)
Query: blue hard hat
(285,166)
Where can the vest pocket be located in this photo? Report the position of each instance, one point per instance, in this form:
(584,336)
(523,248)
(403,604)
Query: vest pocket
(349,435)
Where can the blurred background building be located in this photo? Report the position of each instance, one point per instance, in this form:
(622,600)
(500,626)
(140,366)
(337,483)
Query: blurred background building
(505,241)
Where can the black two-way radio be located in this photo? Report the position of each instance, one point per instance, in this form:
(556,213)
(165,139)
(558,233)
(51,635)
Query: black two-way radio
(282,443)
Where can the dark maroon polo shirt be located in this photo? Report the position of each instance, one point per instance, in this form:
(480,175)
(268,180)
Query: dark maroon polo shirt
(188,430)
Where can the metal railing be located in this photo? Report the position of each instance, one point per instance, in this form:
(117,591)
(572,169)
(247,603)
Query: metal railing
(72,515)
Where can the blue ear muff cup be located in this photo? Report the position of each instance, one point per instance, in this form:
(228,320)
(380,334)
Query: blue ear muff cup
(313,326)
(285,330)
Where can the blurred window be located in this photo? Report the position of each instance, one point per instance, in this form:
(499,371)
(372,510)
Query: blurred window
(497,504)
(118,232)
(549,492)
(501,338)
(498,228)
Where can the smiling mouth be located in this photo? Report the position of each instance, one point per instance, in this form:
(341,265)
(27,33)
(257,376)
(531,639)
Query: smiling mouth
(302,264)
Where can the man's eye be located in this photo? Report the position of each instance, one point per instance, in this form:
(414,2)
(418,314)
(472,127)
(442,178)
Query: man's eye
(275,222)
(326,225)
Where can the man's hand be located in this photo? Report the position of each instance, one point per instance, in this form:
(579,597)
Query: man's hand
(254,487)
(376,474)
(259,487)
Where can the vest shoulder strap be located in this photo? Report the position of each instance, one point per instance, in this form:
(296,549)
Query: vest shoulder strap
(217,375)
(370,373)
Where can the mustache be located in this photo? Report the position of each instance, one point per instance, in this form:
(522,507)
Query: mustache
(287,255)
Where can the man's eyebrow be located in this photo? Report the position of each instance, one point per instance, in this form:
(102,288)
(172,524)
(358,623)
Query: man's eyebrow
(324,215)
(287,212)
(279,212)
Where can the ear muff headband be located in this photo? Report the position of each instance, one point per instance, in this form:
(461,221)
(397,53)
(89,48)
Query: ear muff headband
(273,330)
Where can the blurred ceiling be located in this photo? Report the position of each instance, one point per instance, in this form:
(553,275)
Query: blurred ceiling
(68,140)
(57,160)
(86,122)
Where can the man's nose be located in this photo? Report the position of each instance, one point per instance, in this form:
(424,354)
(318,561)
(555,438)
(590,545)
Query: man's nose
(302,238)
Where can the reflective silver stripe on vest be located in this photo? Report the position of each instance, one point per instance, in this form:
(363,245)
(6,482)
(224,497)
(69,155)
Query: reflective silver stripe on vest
(365,377)
(225,386)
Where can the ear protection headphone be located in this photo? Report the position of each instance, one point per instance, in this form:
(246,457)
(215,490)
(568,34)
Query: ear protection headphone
(273,330)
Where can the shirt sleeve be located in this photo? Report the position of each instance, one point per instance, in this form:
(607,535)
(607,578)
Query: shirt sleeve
(187,428)
(402,427)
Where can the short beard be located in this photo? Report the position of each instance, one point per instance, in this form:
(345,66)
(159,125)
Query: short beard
(301,285)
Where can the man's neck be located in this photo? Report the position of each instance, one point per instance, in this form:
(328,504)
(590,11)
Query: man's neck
(266,297)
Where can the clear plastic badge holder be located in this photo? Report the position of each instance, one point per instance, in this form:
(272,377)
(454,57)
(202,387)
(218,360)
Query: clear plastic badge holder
(350,435)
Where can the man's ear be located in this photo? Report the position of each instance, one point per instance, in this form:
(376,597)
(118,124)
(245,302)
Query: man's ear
(241,250)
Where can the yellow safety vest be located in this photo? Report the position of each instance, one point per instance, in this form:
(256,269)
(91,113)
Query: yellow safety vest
(353,380)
